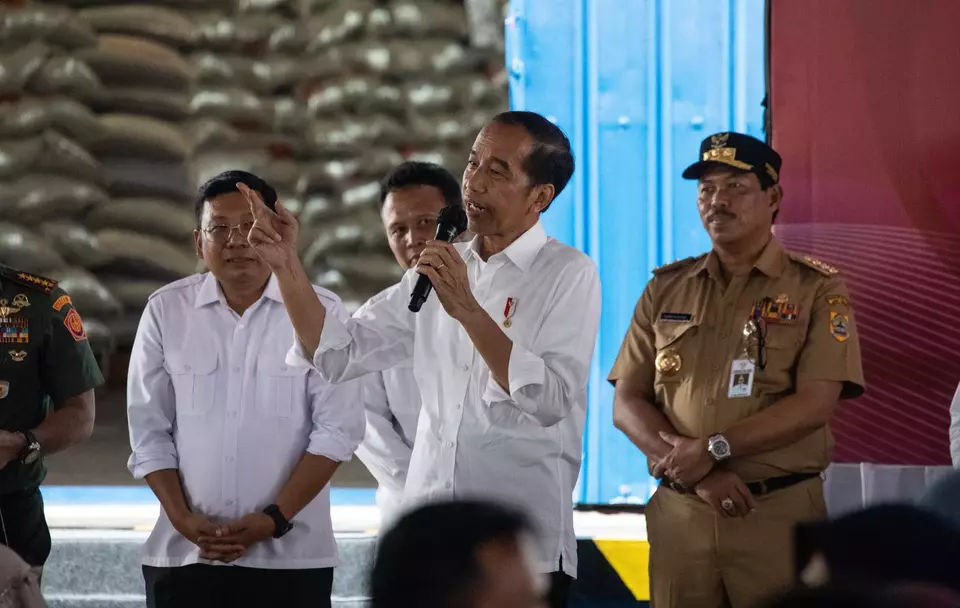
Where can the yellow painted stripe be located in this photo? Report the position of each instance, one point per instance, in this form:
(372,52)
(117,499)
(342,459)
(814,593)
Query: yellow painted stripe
(631,560)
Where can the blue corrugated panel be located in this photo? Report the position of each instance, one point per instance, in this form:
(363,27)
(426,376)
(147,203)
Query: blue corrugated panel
(636,84)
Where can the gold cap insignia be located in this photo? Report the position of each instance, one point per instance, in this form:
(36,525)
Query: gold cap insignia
(719,140)
(773,173)
(20,300)
(18,355)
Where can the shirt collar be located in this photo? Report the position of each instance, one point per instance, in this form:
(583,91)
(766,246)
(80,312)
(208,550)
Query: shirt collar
(210,291)
(771,262)
(522,251)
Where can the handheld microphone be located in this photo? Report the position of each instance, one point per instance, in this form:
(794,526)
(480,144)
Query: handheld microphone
(450,224)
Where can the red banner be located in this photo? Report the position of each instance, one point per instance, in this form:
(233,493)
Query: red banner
(865,110)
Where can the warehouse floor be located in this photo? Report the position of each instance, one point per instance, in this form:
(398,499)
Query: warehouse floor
(102,460)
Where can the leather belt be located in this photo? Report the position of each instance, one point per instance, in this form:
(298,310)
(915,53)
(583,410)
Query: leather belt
(757,488)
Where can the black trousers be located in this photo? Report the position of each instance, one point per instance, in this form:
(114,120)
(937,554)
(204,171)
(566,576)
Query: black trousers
(559,594)
(205,586)
(24,527)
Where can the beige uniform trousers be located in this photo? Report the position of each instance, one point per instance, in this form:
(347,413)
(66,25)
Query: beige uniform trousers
(700,559)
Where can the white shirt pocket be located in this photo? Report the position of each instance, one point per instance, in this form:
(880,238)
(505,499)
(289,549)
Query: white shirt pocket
(194,379)
(281,388)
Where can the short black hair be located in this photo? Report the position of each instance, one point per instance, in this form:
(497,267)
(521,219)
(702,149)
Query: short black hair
(429,558)
(418,173)
(226,182)
(550,161)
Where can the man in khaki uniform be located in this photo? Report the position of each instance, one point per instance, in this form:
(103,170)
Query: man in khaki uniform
(726,381)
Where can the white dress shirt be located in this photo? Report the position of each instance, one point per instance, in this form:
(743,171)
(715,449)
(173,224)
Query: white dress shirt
(209,393)
(955,429)
(474,439)
(391,400)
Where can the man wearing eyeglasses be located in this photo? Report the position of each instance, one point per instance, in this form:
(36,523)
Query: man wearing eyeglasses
(727,378)
(237,446)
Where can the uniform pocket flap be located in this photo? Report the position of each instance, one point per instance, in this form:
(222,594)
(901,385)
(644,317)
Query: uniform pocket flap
(668,333)
(184,363)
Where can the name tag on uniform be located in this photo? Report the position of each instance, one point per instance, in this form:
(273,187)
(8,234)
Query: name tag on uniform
(676,317)
(741,379)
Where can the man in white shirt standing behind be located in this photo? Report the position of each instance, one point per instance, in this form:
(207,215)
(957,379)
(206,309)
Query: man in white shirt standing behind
(501,354)
(411,198)
(238,446)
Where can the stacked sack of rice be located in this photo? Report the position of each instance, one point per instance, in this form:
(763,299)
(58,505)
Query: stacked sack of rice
(246,116)
(49,178)
(144,107)
(383,81)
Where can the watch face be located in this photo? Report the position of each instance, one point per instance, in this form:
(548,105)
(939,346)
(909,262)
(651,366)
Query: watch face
(720,448)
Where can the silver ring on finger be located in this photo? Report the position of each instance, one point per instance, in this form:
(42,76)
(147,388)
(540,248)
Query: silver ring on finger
(441,265)
(727,504)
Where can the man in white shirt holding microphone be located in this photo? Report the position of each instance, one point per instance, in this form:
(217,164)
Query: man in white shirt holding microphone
(501,355)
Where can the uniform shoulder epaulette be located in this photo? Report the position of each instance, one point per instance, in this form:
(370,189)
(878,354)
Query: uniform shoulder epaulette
(821,267)
(676,265)
(39,283)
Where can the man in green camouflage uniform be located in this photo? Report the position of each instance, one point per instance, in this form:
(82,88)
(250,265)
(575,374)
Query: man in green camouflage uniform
(47,376)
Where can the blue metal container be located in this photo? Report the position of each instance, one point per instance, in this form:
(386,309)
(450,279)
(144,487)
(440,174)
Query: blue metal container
(636,84)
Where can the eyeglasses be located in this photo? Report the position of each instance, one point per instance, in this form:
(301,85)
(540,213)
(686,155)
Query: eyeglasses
(220,233)
(754,333)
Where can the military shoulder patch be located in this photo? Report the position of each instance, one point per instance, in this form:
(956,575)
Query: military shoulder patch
(29,280)
(74,325)
(676,265)
(61,302)
(821,267)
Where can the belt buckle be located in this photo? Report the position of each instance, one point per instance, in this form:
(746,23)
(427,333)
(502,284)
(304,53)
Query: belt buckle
(763,487)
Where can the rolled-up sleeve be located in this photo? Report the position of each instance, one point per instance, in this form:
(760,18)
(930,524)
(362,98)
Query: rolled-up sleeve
(338,418)
(379,336)
(546,377)
(151,403)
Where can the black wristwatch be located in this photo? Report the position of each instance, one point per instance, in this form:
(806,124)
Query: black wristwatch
(31,452)
(280,524)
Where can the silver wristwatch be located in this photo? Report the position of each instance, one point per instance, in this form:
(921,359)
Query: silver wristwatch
(719,447)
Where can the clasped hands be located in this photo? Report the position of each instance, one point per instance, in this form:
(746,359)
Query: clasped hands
(227,542)
(691,465)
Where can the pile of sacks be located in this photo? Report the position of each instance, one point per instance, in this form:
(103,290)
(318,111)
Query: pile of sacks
(50,177)
(112,114)
(382,82)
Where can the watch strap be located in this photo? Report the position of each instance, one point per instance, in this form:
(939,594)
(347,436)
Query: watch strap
(280,524)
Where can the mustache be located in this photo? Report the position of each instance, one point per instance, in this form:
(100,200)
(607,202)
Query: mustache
(724,214)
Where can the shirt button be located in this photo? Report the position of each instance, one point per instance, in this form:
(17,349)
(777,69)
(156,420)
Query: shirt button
(283,368)
(236,369)
(457,406)
(464,368)
(710,401)
(715,368)
(449,444)
(186,367)
(723,334)
(229,458)
(229,503)
(448,484)
(240,326)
